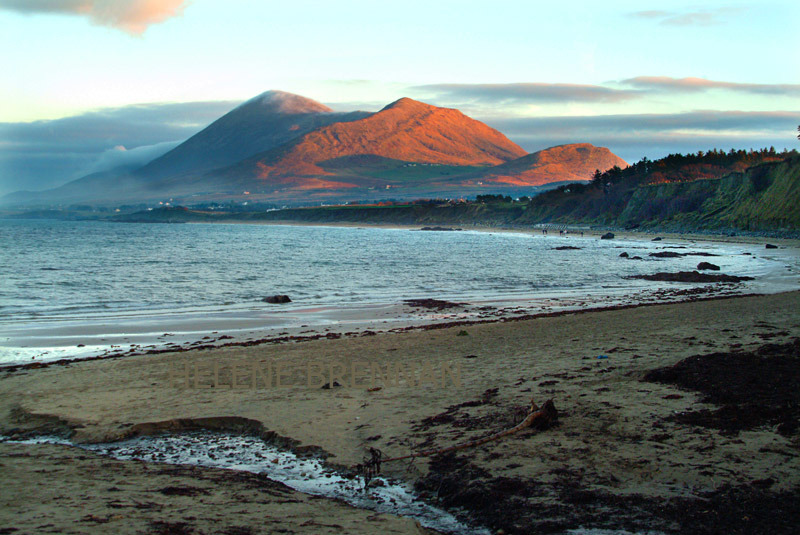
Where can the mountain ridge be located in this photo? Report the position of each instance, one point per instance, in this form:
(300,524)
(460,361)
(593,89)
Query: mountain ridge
(405,130)
(287,148)
(261,123)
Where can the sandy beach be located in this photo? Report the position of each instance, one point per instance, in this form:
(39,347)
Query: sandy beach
(623,454)
(351,268)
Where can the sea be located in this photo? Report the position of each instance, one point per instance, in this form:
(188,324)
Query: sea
(80,288)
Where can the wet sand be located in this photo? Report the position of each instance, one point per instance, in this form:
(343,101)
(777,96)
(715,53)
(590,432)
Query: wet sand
(617,459)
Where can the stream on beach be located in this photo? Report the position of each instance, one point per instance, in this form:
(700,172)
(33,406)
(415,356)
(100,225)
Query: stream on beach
(304,474)
(309,475)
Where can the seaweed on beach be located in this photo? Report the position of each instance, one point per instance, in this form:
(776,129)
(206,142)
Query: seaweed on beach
(756,388)
(161,527)
(537,418)
(433,304)
(522,505)
(743,509)
(753,389)
(691,276)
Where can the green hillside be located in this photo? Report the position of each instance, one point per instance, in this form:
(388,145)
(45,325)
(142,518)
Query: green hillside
(704,192)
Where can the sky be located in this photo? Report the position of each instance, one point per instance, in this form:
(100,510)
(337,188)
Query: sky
(93,84)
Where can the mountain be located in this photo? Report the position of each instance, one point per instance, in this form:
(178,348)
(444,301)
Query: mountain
(405,131)
(264,122)
(284,148)
(574,162)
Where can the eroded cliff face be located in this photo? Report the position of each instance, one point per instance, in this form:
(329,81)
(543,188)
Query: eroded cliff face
(764,197)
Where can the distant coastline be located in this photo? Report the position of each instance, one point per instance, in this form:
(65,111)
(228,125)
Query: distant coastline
(342,217)
(712,194)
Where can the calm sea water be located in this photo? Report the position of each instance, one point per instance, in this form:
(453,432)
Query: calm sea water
(82,273)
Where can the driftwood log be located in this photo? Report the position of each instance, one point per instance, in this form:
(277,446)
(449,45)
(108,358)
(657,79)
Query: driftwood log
(538,418)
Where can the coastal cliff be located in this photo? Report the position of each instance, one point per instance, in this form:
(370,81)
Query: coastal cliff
(764,197)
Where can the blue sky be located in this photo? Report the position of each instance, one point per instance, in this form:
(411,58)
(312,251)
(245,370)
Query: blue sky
(91,83)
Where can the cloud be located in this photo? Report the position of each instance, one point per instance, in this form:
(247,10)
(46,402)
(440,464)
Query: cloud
(651,14)
(656,135)
(654,122)
(528,92)
(45,154)
(695,85)
(131,16)
(353,105)
(120,157)
(709,17)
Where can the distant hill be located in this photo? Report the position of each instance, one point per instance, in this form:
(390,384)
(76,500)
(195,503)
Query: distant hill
(284,148)
(758,194)
(574,162)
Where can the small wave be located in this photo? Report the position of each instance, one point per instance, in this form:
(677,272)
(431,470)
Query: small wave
(93,306)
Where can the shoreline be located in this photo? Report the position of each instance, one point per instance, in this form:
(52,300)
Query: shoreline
(92,334)
(589,232)
(617,440)
(286,338)
(721,236)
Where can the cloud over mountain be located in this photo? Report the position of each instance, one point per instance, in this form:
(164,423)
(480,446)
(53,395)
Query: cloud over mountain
(694,85)
(529,92)
(122,157)
(42,154)
(695,17)
(131,16)
(655,135)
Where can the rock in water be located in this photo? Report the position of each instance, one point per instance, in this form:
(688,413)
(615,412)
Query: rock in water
(770,246)
(607,236)
(431,303)
(623,254)
(666,254)
(707,265)
(691,276)
(277,299)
